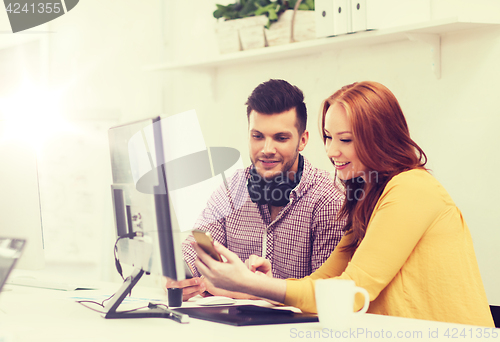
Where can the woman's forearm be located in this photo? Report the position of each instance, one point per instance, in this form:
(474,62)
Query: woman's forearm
(266,287)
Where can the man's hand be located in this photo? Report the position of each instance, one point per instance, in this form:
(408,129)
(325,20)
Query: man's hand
(190,287)
(258,264)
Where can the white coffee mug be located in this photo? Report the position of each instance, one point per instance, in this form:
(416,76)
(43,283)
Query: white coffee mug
(335,302)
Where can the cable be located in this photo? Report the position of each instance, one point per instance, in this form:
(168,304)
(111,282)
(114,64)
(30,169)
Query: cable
(88,307)
(104,312)
(176,316)
(101,304)
(115,250)
(155,305)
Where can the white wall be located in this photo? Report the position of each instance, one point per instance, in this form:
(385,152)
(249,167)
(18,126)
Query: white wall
(98,48)
(95,55)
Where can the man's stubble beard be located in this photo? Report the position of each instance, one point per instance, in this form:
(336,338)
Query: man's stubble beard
(286,167)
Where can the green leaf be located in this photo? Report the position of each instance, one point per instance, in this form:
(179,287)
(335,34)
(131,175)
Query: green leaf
(262,3)
(260,10)
(218,14)
(267,9)
(229,15)
(303,7)
(248,9)
(273,16)
(310,3)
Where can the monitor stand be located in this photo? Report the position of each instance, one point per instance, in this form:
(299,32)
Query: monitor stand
(153,310)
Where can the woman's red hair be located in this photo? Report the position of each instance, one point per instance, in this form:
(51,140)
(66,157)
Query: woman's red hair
(382,143)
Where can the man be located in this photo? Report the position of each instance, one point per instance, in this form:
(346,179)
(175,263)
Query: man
(281,207)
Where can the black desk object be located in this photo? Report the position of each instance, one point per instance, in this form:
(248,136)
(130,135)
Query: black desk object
(240,315)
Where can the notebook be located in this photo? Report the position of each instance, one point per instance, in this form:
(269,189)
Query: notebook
(10,251)
(247,315)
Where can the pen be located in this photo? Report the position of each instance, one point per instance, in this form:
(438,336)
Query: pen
(176,316)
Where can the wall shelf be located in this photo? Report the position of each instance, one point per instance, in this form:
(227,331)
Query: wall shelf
(427,32)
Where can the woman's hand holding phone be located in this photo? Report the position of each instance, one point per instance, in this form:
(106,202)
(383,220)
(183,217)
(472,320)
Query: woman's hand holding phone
(205,241)
(230,275)
(234,275)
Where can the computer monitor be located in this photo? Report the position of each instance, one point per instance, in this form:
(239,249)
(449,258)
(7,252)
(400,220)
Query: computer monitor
(21,209)
(146,237)
(20,201)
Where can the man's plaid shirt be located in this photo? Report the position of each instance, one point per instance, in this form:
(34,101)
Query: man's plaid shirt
(296,243)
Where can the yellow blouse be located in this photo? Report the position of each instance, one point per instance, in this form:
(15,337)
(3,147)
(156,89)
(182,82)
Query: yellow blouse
(416,260)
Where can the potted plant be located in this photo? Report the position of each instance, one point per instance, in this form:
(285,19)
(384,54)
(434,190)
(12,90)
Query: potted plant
(295,24)
(247,22)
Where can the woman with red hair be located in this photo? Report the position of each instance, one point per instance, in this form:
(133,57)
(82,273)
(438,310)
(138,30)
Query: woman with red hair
(405,240)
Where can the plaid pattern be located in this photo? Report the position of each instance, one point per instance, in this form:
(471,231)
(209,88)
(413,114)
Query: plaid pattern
(297,242)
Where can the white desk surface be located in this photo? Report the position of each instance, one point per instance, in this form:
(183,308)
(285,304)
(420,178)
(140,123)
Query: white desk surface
(34,315)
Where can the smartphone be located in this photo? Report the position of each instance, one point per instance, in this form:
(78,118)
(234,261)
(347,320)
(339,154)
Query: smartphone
(205,241)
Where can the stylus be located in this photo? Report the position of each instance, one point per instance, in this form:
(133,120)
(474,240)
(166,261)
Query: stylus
(176,316)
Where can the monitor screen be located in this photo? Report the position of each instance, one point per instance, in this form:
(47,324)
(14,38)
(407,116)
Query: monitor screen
(20,201)
(146,237)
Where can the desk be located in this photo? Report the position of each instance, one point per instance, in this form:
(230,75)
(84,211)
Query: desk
(38,315)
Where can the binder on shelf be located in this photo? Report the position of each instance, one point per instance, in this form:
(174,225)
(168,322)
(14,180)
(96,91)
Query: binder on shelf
(340,16)
(323,10)
(357,17)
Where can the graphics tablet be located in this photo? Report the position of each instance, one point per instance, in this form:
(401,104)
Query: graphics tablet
(247,315)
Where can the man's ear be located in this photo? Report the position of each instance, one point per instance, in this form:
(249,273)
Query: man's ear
(304,138)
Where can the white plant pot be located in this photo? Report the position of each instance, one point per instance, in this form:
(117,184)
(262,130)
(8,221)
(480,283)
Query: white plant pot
(228,38)
(241,34)
(252,37)
(280,32)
